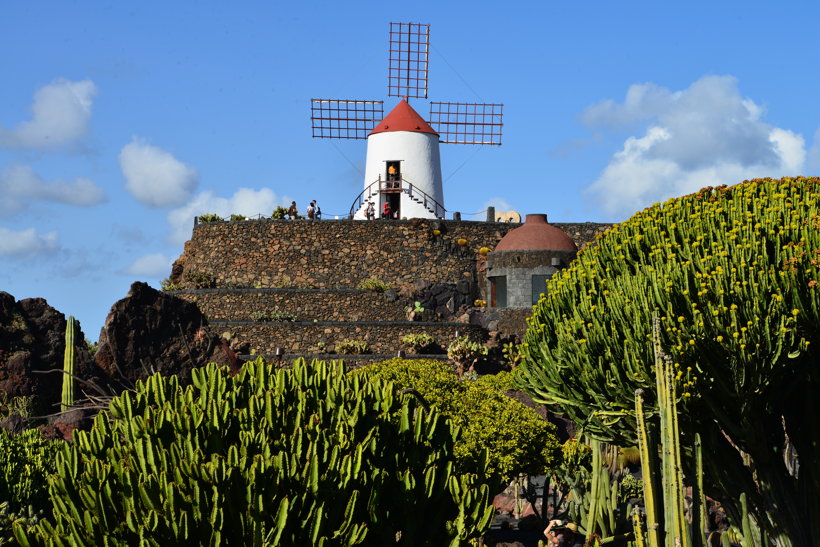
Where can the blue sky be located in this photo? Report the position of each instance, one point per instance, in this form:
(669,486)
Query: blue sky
(121,121)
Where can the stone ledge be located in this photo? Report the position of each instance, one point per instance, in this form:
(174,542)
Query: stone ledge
(352,362)
(304,338)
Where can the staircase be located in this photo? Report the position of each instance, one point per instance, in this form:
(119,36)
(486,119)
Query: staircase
(379,186)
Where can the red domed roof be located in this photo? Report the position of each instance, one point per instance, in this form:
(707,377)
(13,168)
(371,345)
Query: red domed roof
(536,235)
(403,118)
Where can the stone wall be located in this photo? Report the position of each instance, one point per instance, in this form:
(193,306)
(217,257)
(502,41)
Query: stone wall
(306,304)
(342,253)
(313,269)
(308,338)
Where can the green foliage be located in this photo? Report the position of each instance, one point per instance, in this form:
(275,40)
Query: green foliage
(352,347)
(67,396)
(210,217)
(512,353)
(27,518)
(307,456)
(199,280)
(419,342)
(15,406)
(26,460)
(415,307)
(518,440)
(465,352)
(732,273)
(168,285)
(273,315)
(236,218)
(279,213)
(373,284)
(501,381)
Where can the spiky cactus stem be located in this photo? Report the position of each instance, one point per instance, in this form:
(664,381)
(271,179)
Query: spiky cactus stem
(67,400)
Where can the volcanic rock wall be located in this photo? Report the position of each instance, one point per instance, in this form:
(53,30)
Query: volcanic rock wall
(312,269)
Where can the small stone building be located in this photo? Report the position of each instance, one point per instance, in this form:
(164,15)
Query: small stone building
(518,268)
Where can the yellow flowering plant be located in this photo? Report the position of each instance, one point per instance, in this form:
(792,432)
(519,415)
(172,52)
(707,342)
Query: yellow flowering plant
(731,273)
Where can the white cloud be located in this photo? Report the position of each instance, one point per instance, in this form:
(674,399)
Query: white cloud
(814,153)
(27,243)
(705,135)
(154,177)
(20,185)
(152,265)
(60,115)
(245,201)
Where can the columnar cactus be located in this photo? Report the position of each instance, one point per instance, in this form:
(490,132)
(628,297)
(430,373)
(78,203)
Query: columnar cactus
(308,456)
(732,273)
(67,399)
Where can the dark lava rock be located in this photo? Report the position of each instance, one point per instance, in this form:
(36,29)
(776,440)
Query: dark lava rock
(149,331)
(32,346)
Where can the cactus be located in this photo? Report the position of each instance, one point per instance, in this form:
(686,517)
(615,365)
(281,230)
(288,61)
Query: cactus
(67,399)
(307,456)
(734,277)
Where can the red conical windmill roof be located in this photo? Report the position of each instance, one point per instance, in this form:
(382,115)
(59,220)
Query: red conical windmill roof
(403,118)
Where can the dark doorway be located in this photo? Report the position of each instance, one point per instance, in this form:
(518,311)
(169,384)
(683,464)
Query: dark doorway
(395,204)
(393,170)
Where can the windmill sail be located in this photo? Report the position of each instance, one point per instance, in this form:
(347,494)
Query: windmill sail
(409,52)
(467,123)
(342,119)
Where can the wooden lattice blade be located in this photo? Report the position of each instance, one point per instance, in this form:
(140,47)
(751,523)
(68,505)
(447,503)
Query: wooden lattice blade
(467,123)
(344,119)
(409,54)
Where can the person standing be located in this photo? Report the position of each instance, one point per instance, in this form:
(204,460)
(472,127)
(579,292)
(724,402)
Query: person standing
(370,211)
(311,210)
(293,211)
(317,211)
(386,210)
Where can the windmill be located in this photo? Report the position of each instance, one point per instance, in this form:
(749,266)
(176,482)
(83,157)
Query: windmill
(403,166)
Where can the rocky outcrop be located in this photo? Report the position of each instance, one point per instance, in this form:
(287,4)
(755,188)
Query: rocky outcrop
(32,345)
(149,331)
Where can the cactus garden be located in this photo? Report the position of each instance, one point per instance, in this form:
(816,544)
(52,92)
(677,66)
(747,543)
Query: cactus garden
(680,349)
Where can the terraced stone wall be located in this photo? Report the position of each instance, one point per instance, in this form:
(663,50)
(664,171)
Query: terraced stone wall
(341,253)
(305,304)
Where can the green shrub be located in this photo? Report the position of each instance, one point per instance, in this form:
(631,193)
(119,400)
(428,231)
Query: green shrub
(501,381)
(199,280)
(279,213)
(15,406)
(168,285)
(210,217)
(419,342)
(373,284)
(517,438)
(273,315)
(235,217)
(307,456)
(512,353)
(26,460)
(465,352)
(352,347)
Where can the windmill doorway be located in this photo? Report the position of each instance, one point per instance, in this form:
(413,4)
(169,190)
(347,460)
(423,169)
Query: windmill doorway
(393,175)
(393,199)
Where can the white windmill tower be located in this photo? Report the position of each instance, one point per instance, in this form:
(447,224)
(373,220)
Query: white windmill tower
(403,166)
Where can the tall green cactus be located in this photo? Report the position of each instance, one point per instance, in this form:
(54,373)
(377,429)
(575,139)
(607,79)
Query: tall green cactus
(734,276)
(307,456)
(67,399)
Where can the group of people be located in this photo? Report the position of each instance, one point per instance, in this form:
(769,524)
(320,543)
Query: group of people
(313,212)
(387,212)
